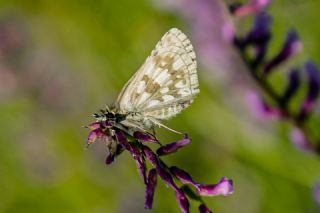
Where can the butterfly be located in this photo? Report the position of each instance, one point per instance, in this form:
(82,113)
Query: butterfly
(165,84)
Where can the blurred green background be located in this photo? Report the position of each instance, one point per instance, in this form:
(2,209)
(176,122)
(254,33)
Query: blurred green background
(60,61)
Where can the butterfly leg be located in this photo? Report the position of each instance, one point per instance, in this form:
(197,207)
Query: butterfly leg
(156,122)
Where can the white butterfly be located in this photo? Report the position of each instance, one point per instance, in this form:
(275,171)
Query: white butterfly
(166,84)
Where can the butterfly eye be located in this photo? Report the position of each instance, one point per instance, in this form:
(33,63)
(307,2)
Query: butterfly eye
(110,115)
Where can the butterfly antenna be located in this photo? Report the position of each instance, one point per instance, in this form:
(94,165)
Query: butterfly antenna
(107,108)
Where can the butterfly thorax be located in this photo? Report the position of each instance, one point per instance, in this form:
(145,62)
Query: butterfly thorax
(130,121)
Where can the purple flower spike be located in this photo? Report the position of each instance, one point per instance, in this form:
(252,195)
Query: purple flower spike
(313,91)
(145,137)
(292,87)
(316,193)
(253,6)
(291,46)
(183,201)
(173,147)
(224,187)
(204,209)
(151,186)
(182,175)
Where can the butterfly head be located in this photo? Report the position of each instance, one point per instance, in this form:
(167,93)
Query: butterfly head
(109,115)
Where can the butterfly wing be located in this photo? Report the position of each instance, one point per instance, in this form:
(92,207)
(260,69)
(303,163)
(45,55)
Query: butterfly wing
(166,83)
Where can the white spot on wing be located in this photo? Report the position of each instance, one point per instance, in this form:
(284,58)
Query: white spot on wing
(164,90)
(141,87)
(184,92)
(143,97)
(177,64)
(162,77)
(179,84)
(153,103)
(167,98)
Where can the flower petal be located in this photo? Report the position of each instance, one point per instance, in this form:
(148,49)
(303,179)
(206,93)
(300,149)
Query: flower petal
(173,147)
(93,126)
(182,175)
(299,139)
(183,201)
(224,187)
(291,46)
(151,186)
(166,177)
(114,153)
(142,168)
(145,137)
(94,135)
(260,108)
(150,155)
(121,138)
(292,87)
(204,209)
(260,31)
(110,158)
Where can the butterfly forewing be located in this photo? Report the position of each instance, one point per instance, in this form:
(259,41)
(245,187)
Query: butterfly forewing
(165,84)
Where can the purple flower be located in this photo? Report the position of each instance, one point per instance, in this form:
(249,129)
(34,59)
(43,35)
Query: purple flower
(204,209)
(140,161)
(260,32)
(151,186)
(145,137)
(112,154)
(292,87)
(224,187)
(166,177)
(110,158)
(253,6)
(173,147)
(316,193)
(93,126)
(182,175)
(121,138)
(94,135)
(260,108)
(183,201)
(291,46)
(299,139)
(313,90)
(259,37)
(150,155)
